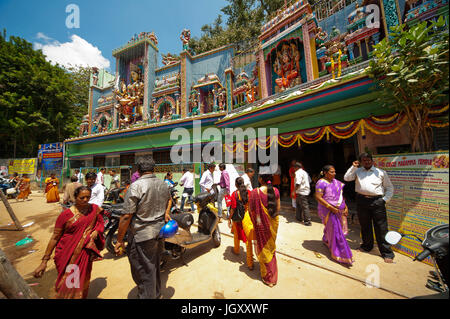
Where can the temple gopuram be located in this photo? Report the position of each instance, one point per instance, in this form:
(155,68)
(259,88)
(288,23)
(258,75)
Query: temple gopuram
(304,75)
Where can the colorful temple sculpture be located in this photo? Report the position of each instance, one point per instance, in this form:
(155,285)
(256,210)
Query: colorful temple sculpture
(304,75)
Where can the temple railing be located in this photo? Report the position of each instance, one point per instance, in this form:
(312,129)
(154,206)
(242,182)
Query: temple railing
(287,92)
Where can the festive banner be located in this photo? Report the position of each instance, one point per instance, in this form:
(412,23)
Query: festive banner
(420,199)
(22,166)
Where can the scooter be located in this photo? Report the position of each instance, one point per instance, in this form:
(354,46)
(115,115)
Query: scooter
(113,209)
(112,196)
(208,221)
(8,186)
(435,244)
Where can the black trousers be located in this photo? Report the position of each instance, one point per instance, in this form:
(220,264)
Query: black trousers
(189,192)
(144,260)
(302,208)
(372,213)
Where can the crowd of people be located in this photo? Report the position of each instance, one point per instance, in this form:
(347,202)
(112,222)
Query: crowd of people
(253,216)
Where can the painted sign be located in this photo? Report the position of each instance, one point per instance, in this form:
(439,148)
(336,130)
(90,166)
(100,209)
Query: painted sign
(420,198)
(50,156)
(22,166)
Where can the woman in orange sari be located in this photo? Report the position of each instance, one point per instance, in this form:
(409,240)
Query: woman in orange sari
(24,187)
(51,189)
(78,238)
(264,206)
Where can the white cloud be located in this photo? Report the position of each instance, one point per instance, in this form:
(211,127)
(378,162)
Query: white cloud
(74,53)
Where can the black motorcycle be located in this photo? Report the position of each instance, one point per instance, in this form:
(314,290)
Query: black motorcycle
(435,244)
(112,212)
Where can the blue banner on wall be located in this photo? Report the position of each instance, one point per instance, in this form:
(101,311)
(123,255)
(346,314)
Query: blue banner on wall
(50,156)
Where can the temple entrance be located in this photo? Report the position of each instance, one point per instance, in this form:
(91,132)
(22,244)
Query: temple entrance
(336,152)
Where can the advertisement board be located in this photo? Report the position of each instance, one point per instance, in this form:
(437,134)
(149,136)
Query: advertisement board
(420,198)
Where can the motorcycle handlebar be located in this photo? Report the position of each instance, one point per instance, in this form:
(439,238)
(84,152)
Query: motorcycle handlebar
(424,254)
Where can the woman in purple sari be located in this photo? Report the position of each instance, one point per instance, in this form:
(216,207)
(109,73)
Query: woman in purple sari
(333,211)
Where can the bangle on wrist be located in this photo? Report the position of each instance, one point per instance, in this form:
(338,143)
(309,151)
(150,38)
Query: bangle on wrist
(46,258)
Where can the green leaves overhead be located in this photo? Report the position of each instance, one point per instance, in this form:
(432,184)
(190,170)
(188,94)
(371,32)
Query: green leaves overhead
(244,19)
(39,102)
(411,69)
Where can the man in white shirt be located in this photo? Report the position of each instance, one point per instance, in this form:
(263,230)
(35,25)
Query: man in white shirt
(97,191)
(187,180)
(115,179)
(302,190)
(80,176)
(374,189)
(100,178)
(207,180)
(249,173)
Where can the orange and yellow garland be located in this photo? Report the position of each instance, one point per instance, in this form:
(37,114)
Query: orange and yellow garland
(383,125)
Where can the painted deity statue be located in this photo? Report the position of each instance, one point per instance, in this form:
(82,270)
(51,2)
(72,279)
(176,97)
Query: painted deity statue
(185,37)
(130,98)
(123,104)
(286,66)
(136,92)
(321,37)
(193,102)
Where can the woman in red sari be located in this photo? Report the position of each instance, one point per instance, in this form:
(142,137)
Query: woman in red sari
(78,238)
(264,205)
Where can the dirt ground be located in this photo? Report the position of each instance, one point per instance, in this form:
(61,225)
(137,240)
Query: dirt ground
(305,268)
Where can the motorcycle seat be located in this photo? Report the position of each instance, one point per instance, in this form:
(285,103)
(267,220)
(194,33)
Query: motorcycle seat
(184,220)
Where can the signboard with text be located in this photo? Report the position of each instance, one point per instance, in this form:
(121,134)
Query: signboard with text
(420,198)
(50,156)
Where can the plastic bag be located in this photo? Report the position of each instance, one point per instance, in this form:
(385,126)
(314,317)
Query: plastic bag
(24,241)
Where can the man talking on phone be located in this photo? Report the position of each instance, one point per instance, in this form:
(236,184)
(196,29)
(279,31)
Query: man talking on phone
(374,189)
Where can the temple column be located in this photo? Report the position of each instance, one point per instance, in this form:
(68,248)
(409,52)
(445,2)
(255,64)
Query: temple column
(229,88)
(262,74)
(115,112)
(183,84)
(307,50)
(350,51)
(145,106)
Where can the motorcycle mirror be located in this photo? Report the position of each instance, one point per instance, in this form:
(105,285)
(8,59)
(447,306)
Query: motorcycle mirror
(393,237)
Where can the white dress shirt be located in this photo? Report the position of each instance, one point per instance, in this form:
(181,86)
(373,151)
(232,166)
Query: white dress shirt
(97,195)
(247,182)
(207,181)
(99,179)
(371,182)
(302,179)
(187,180)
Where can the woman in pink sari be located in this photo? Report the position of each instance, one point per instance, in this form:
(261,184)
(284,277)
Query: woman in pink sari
(333,211)
(78,238)
(264,205)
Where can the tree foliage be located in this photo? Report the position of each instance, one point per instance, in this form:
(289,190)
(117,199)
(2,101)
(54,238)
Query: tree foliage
(244,19)
(411,69)
(39,102)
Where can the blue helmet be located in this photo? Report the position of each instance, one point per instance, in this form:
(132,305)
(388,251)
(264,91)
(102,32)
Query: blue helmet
(169,229)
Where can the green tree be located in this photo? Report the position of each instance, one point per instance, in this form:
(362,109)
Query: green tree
(244,19)
(410,67)
(39,102)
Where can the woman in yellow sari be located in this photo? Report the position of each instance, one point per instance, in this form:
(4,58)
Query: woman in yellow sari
(264,206)
(24,188)
(51,189)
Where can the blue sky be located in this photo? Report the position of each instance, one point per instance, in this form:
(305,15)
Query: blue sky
(104,25)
